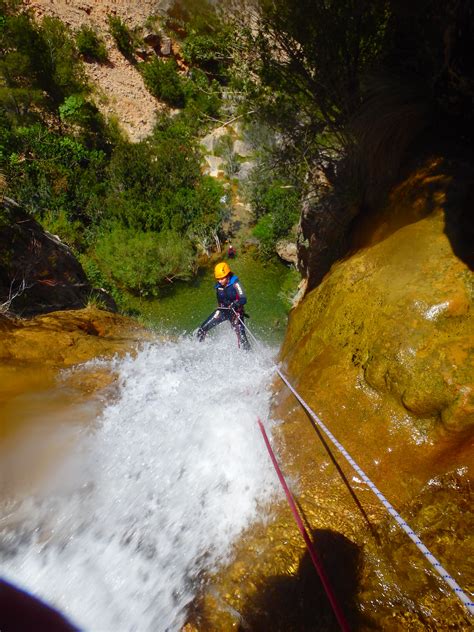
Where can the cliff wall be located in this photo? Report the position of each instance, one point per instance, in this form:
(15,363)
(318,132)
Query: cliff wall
(383,351)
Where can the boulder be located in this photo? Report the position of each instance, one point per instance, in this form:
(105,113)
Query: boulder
(287,250)
(152,38)
(166,46)
(67,338)
(38,272)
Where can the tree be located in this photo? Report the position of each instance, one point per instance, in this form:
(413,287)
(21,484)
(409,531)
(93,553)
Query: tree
(308,62)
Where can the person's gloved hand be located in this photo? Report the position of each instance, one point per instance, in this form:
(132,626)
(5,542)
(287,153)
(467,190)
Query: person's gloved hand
(235,305)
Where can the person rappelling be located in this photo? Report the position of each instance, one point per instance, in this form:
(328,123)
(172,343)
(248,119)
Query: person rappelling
(231,300)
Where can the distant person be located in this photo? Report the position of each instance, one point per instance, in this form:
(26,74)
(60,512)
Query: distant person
(231,300)
(231,251)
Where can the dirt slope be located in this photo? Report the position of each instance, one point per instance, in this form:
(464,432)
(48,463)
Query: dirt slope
(119,87)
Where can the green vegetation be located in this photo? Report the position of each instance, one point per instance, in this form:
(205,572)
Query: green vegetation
(90,45)
(122,36)
(197,94)
(164,82)
(206,36)
(278,209)
(140,261)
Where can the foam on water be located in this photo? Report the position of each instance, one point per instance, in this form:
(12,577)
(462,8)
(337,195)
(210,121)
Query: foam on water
(154,494)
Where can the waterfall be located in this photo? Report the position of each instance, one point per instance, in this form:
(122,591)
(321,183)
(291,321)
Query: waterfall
(155,491)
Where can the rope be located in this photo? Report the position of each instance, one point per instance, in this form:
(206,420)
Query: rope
(442,572)
(312,552)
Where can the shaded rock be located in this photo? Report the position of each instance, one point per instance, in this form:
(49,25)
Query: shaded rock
(324,231)
(287,250)
(245,168)
(144,53)
(38,272)
(152,38)
(66,338)
(242,148)
(209,141)
(214,166)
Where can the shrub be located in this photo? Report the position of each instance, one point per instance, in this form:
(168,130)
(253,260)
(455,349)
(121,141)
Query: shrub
(93,272)
(148,180)
(206,34)
(281,211)
(203,97)
(164,81)
(90,45)
(122,36)
(39,62)
(140,261)
(61,61)
(208,51)
(60,174)
(263,231)
(70,232)
(77,110)
(283,205)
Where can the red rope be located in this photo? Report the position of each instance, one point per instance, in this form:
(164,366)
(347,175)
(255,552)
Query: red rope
(312,552)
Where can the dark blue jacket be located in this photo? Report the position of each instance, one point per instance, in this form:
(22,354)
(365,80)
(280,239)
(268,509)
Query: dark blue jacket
(233,292)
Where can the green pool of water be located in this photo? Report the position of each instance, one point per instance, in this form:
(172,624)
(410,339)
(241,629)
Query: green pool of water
(182,307)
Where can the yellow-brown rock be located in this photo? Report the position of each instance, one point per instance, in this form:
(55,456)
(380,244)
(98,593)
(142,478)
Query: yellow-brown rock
(33,353)
(68,337)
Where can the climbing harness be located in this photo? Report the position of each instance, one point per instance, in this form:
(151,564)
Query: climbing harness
(462,596)
(312,552)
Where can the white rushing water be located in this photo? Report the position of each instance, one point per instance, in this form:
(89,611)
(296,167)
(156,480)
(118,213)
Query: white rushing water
(153,494)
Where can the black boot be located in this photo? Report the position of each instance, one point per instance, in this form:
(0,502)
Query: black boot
(245,343)
(201,334)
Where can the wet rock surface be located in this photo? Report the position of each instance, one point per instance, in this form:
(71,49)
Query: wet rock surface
(49,389)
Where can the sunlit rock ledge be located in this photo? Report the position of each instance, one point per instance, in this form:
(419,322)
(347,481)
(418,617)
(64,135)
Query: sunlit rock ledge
(68,337)
(34,353)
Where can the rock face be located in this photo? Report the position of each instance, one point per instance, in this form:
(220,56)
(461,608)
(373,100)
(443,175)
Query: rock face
(38,272)
(38,397)
(324,231)
(63,339)
(398,313)
(383,351)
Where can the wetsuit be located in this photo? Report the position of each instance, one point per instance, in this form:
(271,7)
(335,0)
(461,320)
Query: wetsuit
(231,300)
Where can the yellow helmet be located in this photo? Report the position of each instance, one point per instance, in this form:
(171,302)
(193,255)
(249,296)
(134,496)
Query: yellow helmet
(221,270)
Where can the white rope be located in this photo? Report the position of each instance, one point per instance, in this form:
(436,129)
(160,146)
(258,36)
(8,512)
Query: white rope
(468,603)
